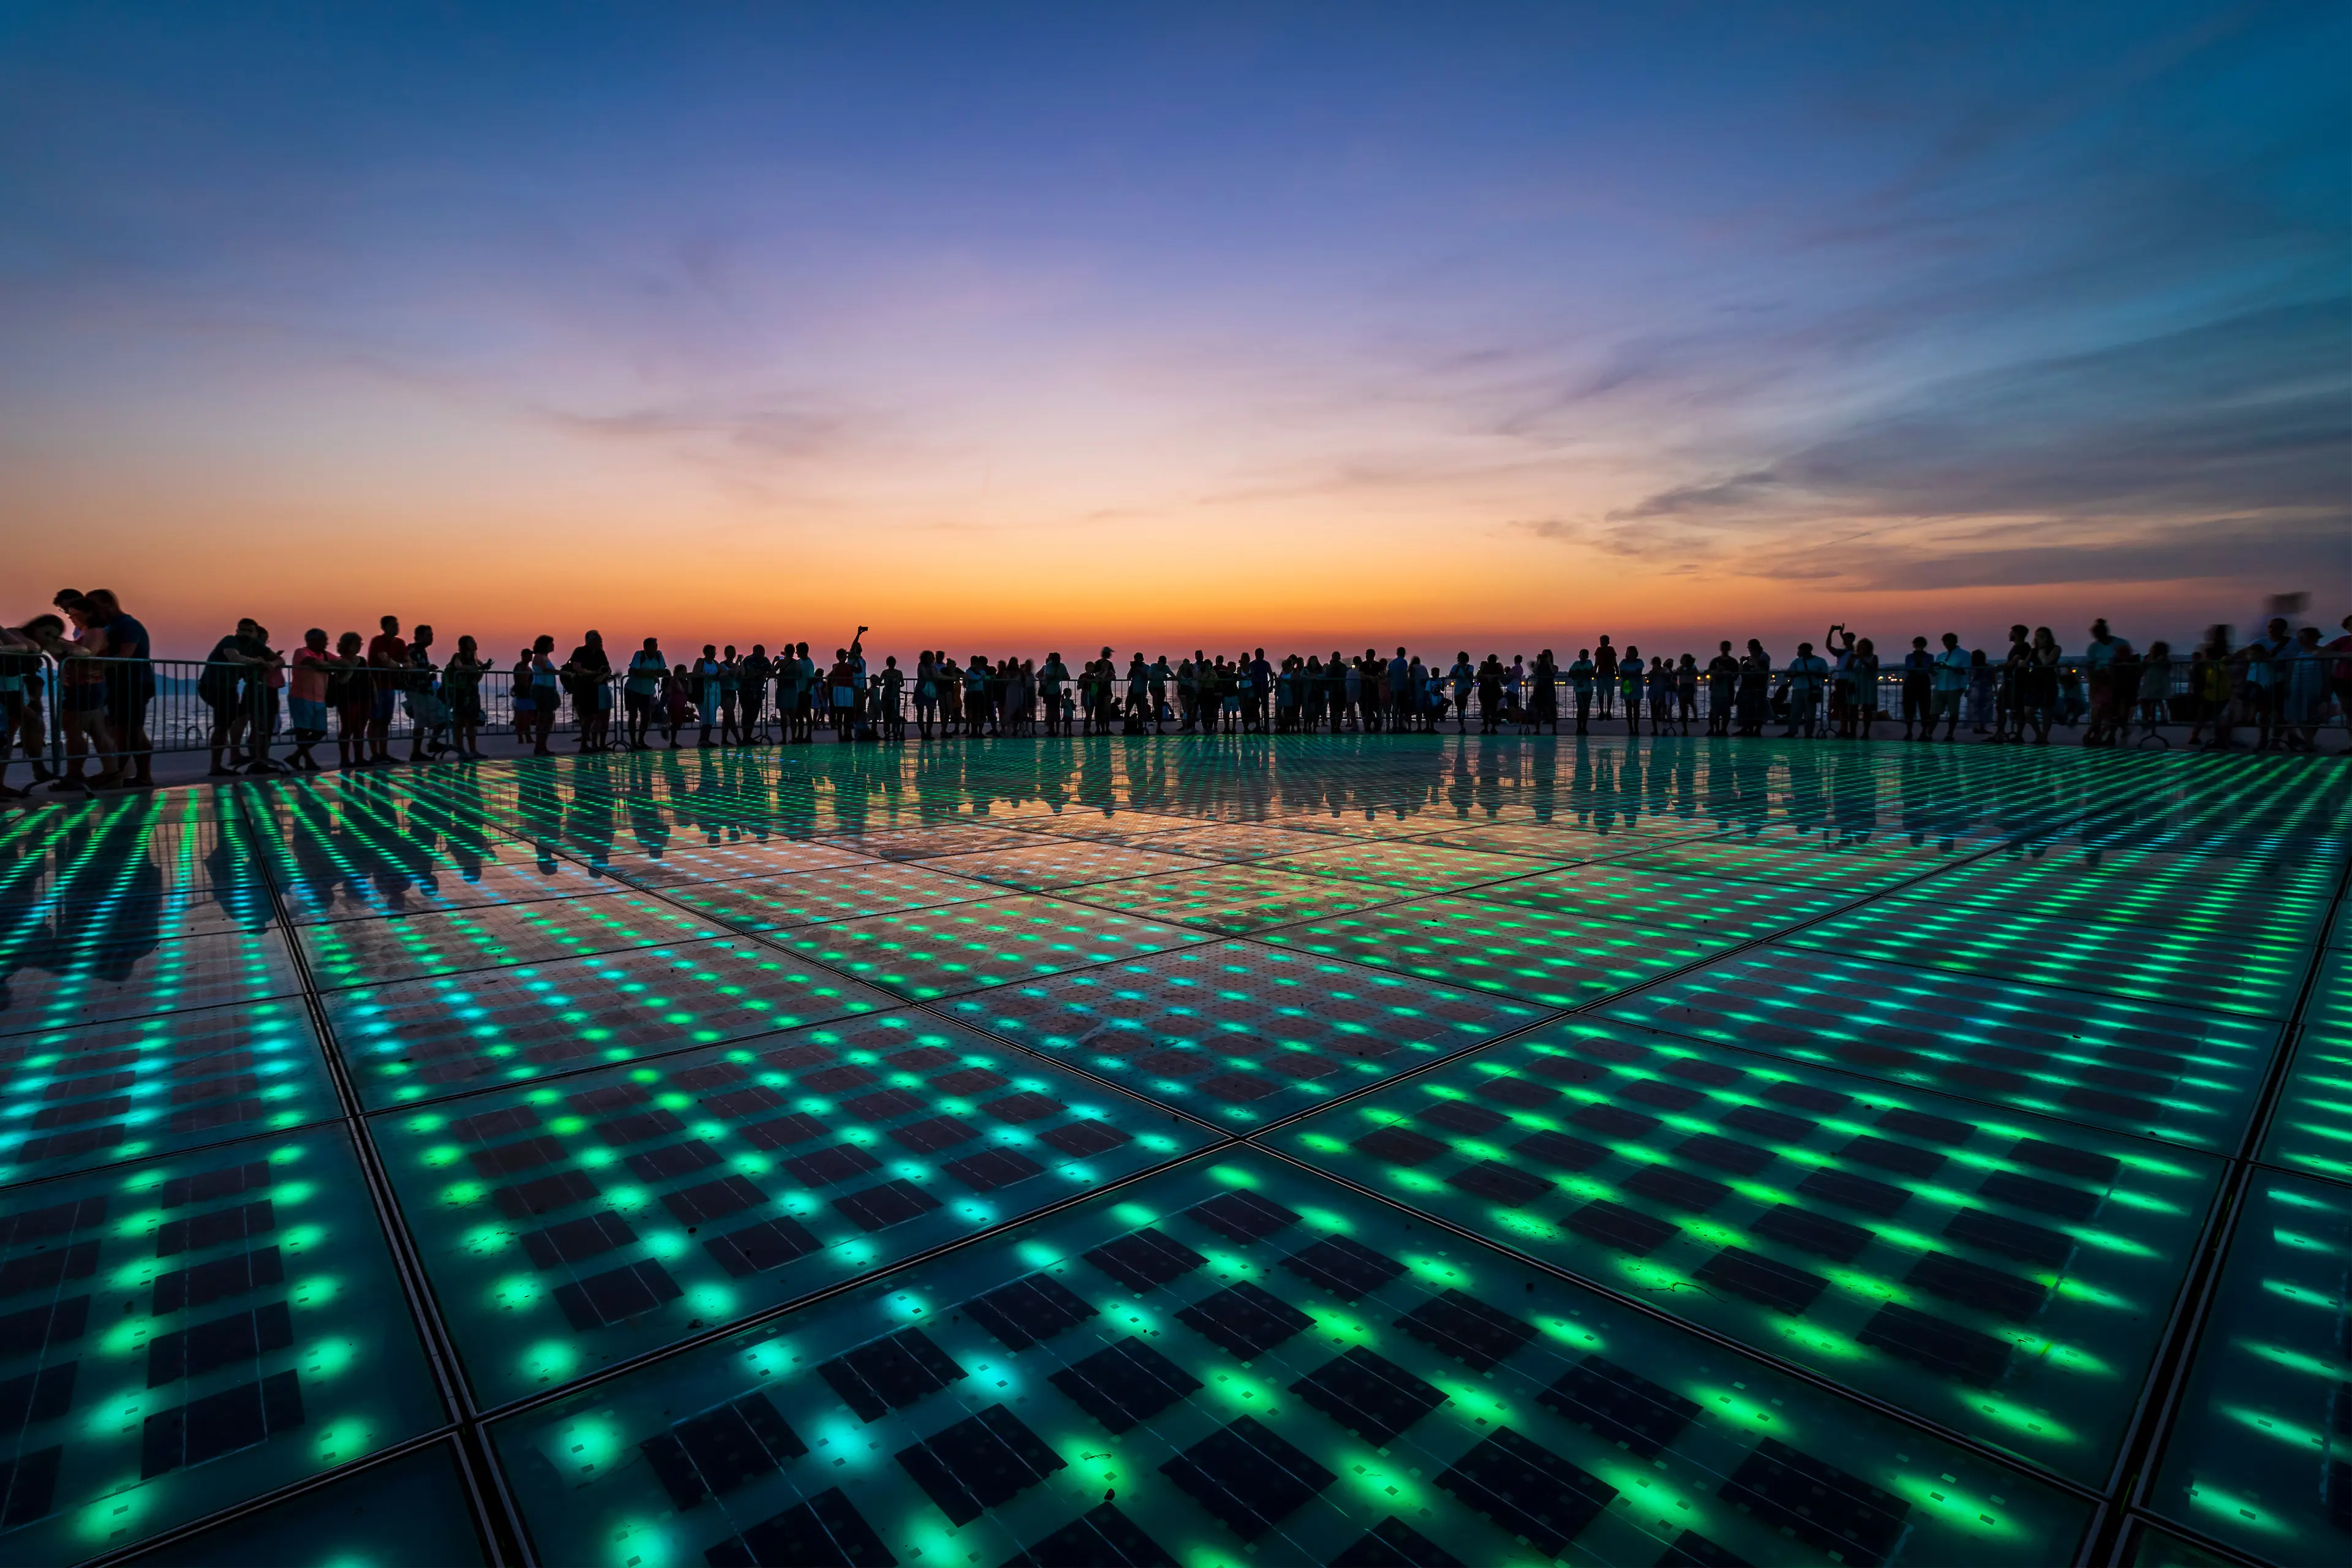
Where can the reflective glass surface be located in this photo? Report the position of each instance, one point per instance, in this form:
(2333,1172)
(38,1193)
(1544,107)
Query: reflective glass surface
(1242,1361)
(2311,1131)
(74,1099)
(2260,1454)
(1558,960)
(1239,1033)
(412,1511)
(1234,898)
(2002,1275)
(2164,1072)
(814,897)
(933,953)
(1299,1150)
(419,1039)
(571,1225)
(179,1334)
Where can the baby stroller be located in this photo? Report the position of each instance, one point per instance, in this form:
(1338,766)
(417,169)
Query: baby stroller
(433,719)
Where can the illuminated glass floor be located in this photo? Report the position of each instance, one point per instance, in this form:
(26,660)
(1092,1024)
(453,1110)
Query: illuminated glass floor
(1328,1150)
(1242,1357)
(2001,1274)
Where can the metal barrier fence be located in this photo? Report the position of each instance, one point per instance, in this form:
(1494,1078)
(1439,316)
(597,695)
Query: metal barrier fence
(184,710)
(187,706)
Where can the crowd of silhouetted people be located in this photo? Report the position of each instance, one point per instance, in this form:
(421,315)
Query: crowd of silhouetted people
(92,660)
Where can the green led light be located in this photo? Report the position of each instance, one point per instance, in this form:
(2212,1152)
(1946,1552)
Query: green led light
(1894,1240)
(604,1012)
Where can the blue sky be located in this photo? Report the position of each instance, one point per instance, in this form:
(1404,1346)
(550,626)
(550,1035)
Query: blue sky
(1458,320)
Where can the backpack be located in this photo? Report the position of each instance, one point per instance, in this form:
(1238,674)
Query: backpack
(218,683)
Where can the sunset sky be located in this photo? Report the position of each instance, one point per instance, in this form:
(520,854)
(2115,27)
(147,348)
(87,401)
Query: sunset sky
(1008,327)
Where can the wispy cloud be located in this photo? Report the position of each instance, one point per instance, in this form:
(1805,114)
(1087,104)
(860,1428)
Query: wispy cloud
(2199,452)
(787,432)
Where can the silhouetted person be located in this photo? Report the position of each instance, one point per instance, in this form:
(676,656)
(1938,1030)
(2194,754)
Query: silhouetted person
(1808,672)
(1722,689)
(1755,689)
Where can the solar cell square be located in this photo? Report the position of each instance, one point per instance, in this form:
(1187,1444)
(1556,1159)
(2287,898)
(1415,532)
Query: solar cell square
(1237,1034)
(360,886)
(2153,1546)
(421,1039)
(1585,1429)
(2169,1073)
(1041,867)
(1558,843)
(1999,1274)
(1796,860)
(132,913)
(344,953)
(1138,827)
(182,1334)
(402,813)
(2311,1129)
(77,854)
(2166,891)
(1415,868)
(2260,1455)
(817,897)
(1367,822)
(575,1223)
(1235,842)
(2246,973)
(1622,812)
(50,988)
(686,861)
(1654,900)
(1554,960)
(930,842)
(1236,899)
(933,953)
(77,1099)
(942,793)
(143,810)
(414,1511)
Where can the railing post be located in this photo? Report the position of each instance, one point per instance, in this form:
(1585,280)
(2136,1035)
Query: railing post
(56,720)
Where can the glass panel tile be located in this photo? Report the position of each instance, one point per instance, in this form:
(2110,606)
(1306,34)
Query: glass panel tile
(414,1511)
(2244,971)
(2162,1072)
(2002,1275)
(423,1039)
(931,953)
(2260,1455)
(1238,1034)
(1180,1373)
(570,1225)
(74,1100)
(1236,898)
(817,898)
(1045,866)
(179,1334)
(2311,1131)
(1553,959)
(1415,868)
(343,953)
(44,989)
